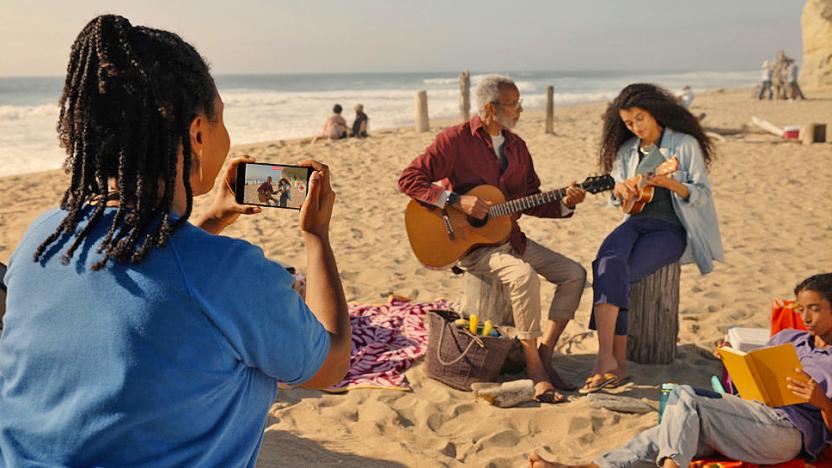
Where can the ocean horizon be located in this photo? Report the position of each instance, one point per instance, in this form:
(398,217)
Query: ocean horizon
(262,107)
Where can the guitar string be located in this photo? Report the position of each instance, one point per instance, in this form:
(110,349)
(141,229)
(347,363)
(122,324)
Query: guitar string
(525,203)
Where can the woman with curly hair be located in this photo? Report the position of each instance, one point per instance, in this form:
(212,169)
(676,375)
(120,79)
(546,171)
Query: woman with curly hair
(644,127)
(135,336)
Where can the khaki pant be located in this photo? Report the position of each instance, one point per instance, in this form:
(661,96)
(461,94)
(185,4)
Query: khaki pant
(519,275)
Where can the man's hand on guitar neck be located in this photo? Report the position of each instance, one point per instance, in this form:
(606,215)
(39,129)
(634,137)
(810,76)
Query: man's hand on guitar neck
(574,195)
(472,205)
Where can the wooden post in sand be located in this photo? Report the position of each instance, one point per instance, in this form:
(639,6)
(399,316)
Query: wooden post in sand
(550,110)
(422,123)
(813,133)
(465,95)
(654,317)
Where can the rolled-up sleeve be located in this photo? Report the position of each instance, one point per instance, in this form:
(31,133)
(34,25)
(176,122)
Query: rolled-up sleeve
(694,173)
(437,162)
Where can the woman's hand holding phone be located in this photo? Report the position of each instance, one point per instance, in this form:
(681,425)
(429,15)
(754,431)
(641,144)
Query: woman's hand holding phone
(316,211)
(225,210)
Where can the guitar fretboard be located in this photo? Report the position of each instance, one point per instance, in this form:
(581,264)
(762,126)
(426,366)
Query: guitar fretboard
(521,204)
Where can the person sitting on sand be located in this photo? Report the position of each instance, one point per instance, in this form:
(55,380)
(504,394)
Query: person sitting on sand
(699,423)
(136,335)
(685,98)
(484,150)
(335,127)
(644,127)
(265,192)
(361,122)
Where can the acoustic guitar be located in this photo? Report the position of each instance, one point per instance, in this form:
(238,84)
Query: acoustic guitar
(439,238)
(643,192)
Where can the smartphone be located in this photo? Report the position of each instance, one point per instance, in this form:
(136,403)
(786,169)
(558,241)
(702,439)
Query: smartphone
(272,185)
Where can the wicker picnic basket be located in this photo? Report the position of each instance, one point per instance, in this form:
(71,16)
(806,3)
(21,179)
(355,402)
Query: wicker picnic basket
(458,358)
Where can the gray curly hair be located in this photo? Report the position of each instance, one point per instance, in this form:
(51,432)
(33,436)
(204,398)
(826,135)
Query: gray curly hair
(488,90)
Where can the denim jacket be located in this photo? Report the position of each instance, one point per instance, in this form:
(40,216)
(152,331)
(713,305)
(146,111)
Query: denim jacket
(698,213)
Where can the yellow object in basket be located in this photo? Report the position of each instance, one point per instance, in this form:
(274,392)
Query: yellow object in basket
(473,321)
(486,329)
(461,323)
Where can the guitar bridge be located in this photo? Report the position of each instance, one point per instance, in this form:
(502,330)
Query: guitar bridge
(449,227)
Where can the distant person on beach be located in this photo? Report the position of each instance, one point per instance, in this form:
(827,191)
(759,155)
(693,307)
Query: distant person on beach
(685,98)
(701,423)
(644,127)
(778,75)
(794,88)
(484,150)
(361,122)
(335,127)
(765,81)
(136,335)
(265,191)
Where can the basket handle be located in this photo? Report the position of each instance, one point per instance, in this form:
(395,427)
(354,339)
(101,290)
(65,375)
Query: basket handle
(474,341)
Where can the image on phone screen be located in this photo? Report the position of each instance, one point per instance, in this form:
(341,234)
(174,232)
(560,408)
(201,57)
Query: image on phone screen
(273,185)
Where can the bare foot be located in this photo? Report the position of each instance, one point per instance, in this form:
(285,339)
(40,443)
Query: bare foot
(546,356)
(544,392)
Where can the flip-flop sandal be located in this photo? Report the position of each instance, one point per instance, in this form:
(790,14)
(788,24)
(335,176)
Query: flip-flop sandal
(551,396)
(619,381)
(605,382)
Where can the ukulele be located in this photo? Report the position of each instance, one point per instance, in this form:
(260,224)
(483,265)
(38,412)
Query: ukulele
(643,192)
(440,237)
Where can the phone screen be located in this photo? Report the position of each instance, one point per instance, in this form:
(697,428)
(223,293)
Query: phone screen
(273,185)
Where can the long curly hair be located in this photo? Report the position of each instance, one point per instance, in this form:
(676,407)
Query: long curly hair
(129,98)
(662,105)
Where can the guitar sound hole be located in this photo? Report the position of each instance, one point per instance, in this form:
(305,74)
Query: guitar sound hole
(477,222)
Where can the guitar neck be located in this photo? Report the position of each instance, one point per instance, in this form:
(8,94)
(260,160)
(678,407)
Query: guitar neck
(525,203)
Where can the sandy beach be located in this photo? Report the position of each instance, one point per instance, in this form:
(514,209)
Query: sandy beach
(774,208)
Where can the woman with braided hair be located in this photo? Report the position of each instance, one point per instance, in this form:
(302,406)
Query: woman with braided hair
(136,335)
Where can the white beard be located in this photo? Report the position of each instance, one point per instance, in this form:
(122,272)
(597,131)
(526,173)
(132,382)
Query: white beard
(505,122)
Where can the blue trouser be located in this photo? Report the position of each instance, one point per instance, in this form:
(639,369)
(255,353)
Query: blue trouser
(634,250)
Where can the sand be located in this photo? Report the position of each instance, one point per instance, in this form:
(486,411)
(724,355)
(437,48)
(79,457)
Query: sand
(774,208)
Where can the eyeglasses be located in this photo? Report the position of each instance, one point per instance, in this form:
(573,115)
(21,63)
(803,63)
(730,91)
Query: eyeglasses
(515,106)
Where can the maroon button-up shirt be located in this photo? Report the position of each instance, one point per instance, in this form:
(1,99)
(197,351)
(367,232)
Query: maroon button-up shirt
(463,157)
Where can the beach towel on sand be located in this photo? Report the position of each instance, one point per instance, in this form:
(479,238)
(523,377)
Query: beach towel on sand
(386,341)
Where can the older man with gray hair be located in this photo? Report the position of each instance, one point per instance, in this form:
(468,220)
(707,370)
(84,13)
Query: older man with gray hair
(481,151)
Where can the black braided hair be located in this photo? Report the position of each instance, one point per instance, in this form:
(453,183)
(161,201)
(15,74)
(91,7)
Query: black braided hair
(820,283)
(662,105)
(129,98)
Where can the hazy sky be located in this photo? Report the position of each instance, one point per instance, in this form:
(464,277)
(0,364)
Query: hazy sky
(260,36)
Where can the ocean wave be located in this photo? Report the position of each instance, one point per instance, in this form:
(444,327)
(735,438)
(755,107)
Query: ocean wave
(8,112)
(440,81)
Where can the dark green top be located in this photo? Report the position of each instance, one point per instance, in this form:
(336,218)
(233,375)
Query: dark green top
(662,206)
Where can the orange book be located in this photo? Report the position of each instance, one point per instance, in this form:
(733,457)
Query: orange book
(760,374)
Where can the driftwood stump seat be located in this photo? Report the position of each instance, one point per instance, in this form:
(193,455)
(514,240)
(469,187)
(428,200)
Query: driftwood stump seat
(654,317)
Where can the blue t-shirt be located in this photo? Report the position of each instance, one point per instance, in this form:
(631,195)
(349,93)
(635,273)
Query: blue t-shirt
(172,361)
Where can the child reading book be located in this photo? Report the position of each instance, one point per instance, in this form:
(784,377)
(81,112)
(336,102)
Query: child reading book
(701,423)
